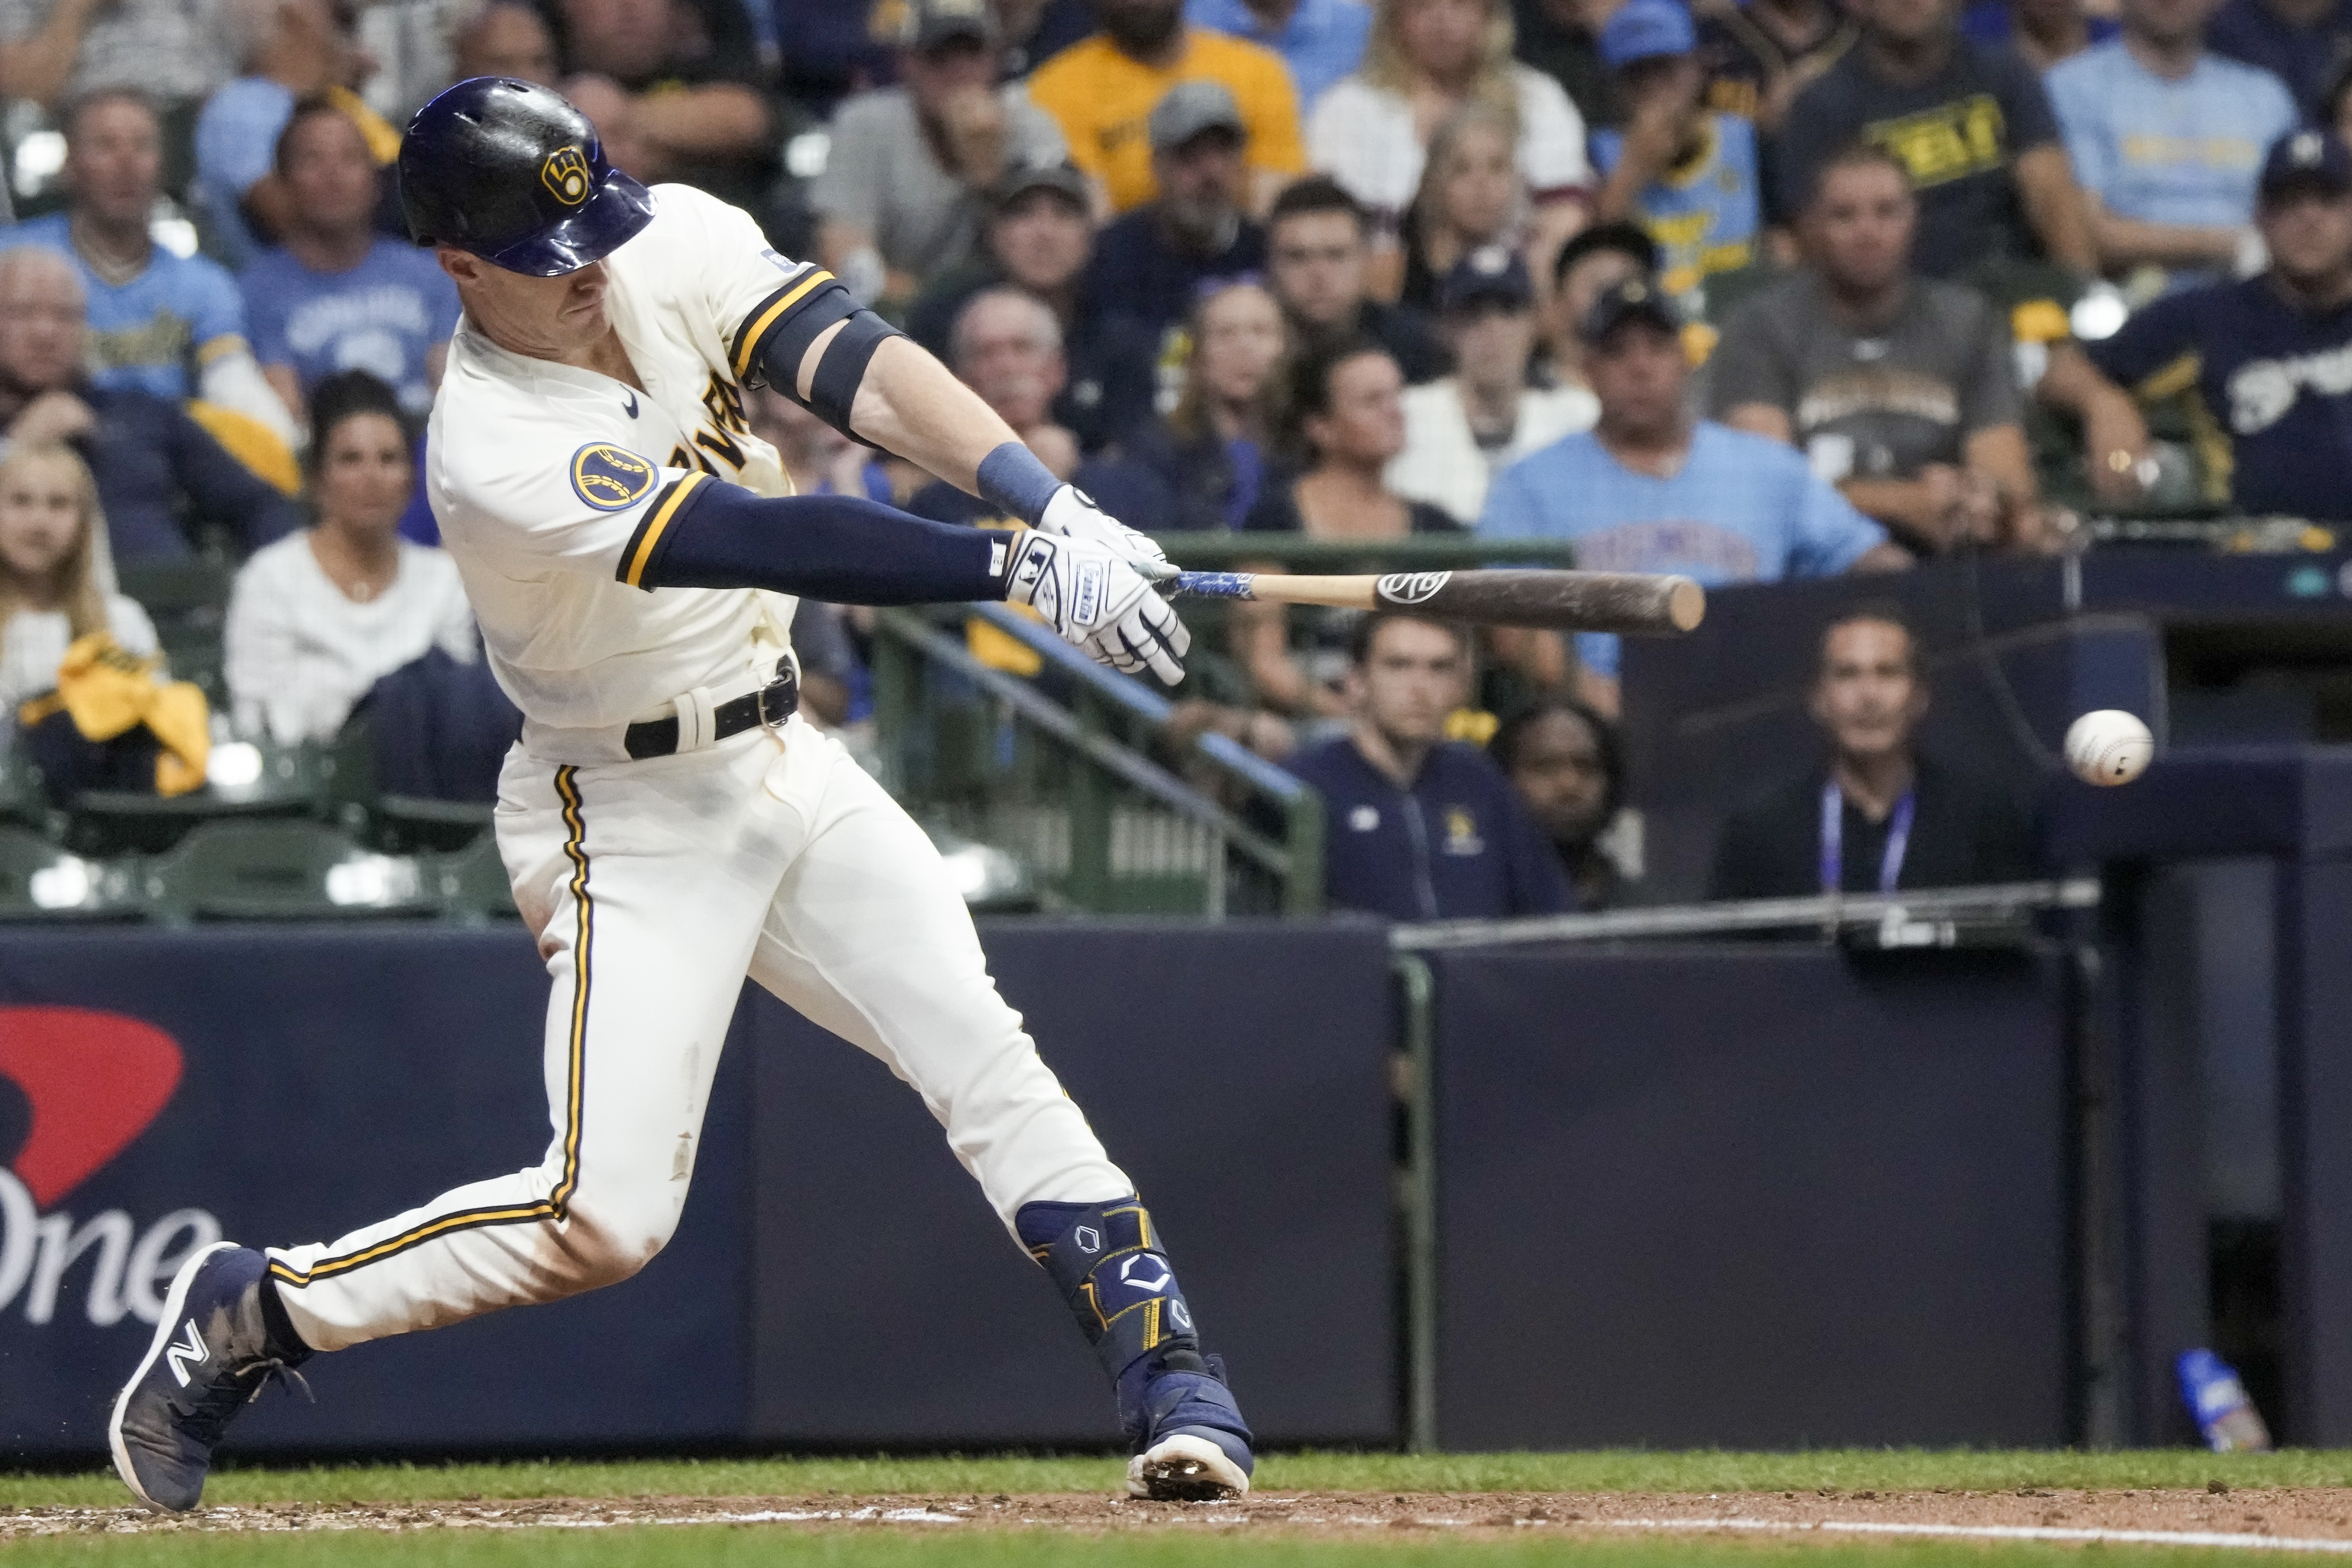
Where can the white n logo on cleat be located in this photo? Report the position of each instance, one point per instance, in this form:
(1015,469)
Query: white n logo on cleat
(192,1353)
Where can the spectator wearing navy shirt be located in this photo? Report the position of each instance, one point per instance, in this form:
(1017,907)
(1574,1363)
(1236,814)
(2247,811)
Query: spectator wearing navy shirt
(1417,826)
(2267,359)
(161,480)
(1150,264)
(2303,42)
(1877,816)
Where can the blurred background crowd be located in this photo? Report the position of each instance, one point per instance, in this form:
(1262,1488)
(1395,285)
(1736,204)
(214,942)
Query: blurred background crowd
(1749,289)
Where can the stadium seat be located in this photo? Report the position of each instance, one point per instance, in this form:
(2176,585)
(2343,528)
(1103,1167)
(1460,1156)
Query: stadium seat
(40,880)
(471,884)
(281,870)
(188,602)
(406,823)
(249,780)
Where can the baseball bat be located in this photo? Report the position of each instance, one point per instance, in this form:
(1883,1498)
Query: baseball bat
(1566,601)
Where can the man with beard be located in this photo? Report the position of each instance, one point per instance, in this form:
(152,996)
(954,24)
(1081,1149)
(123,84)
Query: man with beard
(1149,264)
(1103,90)
(2267,361)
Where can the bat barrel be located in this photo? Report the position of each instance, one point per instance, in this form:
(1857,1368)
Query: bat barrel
(1566,601)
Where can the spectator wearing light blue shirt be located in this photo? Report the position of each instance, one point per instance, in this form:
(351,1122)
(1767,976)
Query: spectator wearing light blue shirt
(1649,489)
(170,326)
(293,51)
(1686,173)
(2166,139)
(1320,40)
(337,296)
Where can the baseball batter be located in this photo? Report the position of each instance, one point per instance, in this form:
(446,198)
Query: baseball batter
(668,824)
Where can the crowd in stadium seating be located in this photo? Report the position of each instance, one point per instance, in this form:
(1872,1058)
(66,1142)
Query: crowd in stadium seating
(1742,288)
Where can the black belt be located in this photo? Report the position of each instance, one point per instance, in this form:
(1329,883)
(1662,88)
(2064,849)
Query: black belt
(768,707)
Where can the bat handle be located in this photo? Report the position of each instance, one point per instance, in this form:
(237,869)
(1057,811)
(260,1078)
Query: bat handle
(1213,585)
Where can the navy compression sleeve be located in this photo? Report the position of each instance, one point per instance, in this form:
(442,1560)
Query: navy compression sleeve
(702,532)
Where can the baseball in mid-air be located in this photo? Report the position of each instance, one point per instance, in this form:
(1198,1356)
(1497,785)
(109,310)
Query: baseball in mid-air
(2108,745)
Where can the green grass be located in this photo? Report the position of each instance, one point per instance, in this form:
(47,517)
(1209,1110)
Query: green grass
(1882,1469)
(723,1546)
(976,1546)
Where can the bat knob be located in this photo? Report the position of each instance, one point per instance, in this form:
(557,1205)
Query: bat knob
(1686,603)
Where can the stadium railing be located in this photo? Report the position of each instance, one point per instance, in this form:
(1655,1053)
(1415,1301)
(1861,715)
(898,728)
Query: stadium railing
(1059,769)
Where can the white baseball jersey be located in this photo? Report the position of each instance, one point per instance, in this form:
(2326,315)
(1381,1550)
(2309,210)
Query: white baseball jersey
(542,474)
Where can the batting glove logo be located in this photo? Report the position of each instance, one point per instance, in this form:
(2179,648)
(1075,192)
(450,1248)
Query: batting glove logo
(565,173)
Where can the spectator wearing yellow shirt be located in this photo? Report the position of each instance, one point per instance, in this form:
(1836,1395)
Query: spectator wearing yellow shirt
(1103,89)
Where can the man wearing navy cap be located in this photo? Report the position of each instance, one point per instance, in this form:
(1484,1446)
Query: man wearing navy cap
(1686,173)
(2268,358)
(1460,430)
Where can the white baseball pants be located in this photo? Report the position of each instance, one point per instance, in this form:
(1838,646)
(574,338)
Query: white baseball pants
(655,887)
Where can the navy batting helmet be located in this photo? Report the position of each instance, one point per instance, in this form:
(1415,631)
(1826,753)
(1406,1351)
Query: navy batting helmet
(511,172)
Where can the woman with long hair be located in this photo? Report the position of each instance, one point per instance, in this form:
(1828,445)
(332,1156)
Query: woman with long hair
(1343,421)
(1427,60)
(318,618)
(56,580)
(1471,199)
(1203,462)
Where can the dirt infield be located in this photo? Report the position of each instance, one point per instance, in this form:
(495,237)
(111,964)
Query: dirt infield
(2307,1518)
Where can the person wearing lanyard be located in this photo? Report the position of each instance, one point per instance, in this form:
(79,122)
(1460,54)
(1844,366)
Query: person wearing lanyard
(1878,816)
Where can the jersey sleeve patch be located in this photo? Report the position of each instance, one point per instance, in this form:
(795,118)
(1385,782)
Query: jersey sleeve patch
(611,478)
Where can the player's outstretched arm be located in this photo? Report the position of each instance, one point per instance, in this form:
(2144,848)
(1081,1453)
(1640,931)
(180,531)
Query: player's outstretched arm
(861,375)
(701,532)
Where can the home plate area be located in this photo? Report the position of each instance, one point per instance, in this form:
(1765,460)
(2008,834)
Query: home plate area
(2317,1519)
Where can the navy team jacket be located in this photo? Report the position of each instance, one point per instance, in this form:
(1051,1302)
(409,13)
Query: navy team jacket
(1456,846)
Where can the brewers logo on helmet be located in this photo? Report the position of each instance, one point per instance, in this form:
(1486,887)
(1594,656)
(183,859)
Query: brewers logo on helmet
(566,173)
(510,172)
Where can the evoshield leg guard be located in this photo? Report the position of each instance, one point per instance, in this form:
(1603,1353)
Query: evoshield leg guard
(1186,1434)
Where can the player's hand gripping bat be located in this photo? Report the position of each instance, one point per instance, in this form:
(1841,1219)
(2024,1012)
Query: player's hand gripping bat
(1567,601)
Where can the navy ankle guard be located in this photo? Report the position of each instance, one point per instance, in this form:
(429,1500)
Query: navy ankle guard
(1104,1260)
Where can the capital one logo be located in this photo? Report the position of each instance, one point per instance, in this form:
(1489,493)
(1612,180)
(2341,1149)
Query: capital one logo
(90,1082)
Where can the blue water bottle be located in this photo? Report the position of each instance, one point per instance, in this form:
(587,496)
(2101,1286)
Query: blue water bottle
(2217,1400)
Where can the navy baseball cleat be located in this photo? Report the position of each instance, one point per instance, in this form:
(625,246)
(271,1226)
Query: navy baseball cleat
(212,1354)
(1190,1441)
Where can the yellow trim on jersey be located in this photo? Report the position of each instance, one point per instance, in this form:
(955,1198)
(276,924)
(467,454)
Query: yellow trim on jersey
(212,349)
(651,535)
(751,334)
(552,1207)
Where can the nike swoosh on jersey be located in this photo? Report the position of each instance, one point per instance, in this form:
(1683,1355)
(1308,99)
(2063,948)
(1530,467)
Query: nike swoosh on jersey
(632,405)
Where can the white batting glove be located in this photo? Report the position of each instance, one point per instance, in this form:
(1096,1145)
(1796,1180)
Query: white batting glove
(1096,598)
(1072,514)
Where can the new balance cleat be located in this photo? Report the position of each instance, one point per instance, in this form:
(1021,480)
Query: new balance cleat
(1190,1440)
(213,1355)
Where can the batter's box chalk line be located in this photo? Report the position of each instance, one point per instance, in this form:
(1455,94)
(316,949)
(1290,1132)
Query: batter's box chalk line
(2228,1539)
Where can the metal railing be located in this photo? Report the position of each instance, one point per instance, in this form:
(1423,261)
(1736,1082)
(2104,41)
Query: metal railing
(1084,774)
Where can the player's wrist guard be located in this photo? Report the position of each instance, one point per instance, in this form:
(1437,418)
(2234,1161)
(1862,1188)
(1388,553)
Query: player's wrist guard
(1016,482)
(1104,1260)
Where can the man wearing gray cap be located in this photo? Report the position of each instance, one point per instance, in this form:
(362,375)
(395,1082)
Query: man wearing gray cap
(1149,263)
(1039,233)
(902,195)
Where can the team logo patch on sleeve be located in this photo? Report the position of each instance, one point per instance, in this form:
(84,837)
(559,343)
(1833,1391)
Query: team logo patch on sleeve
(565,172)
(611,478)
